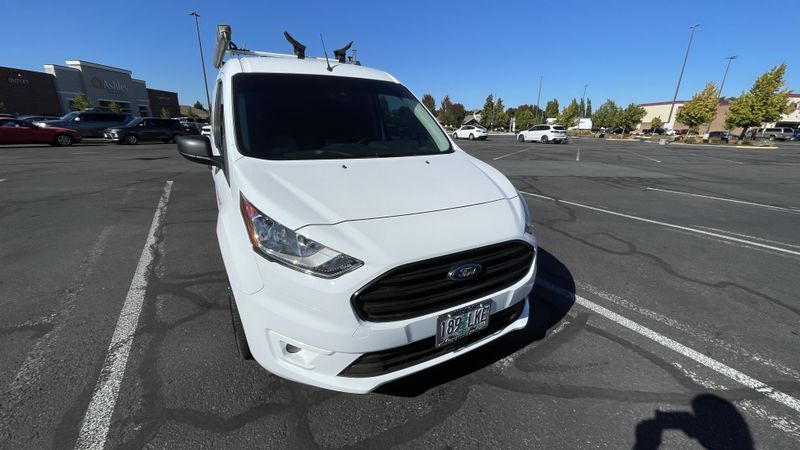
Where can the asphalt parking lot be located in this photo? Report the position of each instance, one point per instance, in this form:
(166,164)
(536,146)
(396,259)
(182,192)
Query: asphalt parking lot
(666,311)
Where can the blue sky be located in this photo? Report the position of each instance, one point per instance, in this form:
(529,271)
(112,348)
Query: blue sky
(627,51)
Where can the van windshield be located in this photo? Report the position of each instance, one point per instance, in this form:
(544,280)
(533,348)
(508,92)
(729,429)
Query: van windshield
(290,117)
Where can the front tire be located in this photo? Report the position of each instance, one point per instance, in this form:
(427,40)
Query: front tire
(521,137)
(131,139)
(455,136)
(471,137)
(175,137)
(238,330)
(63,140)
(544,140)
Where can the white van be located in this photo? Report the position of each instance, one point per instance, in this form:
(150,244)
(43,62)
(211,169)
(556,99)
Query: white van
(361,243)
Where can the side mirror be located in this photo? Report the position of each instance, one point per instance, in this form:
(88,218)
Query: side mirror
(197,149)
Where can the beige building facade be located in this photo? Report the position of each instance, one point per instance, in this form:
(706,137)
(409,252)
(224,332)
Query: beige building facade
(661,110)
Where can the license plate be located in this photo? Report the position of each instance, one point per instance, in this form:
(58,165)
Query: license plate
(462,322)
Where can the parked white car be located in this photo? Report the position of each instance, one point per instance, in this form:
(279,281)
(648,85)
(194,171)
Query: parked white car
(471,132)
(544,134)
(364,249)
(205,130)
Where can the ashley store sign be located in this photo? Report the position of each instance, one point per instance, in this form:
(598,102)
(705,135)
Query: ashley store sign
(110,85)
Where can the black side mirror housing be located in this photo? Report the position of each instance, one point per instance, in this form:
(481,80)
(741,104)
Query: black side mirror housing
(197,148)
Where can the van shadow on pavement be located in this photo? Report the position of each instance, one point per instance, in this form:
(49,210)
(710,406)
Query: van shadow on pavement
(713,422)
(546,310)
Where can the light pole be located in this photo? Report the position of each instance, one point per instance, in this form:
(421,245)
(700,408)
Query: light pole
(539,95)
(686,57)
(583,100)
(202,60)
(722,85)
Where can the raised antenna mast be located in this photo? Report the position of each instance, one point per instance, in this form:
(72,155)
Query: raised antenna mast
(330,69)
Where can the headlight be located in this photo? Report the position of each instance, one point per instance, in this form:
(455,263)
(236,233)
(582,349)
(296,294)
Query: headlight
(528,221)
(282,245)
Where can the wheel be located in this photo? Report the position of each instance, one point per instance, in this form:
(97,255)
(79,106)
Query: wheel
(175,137)
(455,136)
(521,137)
(471,137)
(772,138)
(544,139)
(131,139)
(238,330)
(63,140)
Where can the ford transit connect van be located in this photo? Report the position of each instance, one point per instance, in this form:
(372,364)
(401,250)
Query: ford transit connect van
(361,243)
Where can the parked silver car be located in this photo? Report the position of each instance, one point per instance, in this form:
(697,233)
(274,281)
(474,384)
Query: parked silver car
(773,134)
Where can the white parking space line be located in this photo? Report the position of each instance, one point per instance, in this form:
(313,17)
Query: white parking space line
(3,179)
(670,225)
(642,156)
(85,153)
(98,415)
(514,153)
(697,331)
(755,238)
(578,156)
(723,159)
(711,363)
(723,199)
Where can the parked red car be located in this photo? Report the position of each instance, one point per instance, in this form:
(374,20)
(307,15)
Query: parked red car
(16,131)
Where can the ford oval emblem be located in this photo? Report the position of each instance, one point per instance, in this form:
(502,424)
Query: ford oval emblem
(465,272)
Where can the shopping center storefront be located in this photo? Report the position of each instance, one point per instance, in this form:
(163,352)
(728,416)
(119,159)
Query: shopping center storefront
(105,87)
(28,92)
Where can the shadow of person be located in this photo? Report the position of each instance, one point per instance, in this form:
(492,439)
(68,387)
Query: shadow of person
(547,308)
(715,424)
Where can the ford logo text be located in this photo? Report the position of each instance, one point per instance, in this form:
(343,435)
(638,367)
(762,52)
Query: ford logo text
(465,272)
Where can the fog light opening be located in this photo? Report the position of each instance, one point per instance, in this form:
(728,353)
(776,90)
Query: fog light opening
(292,349)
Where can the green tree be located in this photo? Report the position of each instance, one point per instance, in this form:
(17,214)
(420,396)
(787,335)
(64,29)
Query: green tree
(458,112)
(80,102)
(114,106)
(445,114)
(487,113)
(538,114)
(630,117)
(429,103)
(606,115)
(656,122)
(701,109)
(569,116)
(164,113)
(552,108)
(766,100)
(524,118)
(588,107)
(199,106)
(500,117)
(582,108)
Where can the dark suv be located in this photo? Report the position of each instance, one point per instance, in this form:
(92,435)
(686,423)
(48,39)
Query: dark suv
(145,129)
(89,123)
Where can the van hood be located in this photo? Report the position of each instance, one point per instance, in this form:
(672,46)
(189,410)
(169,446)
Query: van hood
(327,192)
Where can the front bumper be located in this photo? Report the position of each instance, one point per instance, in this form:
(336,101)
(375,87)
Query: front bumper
(330,349)
(111,137)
